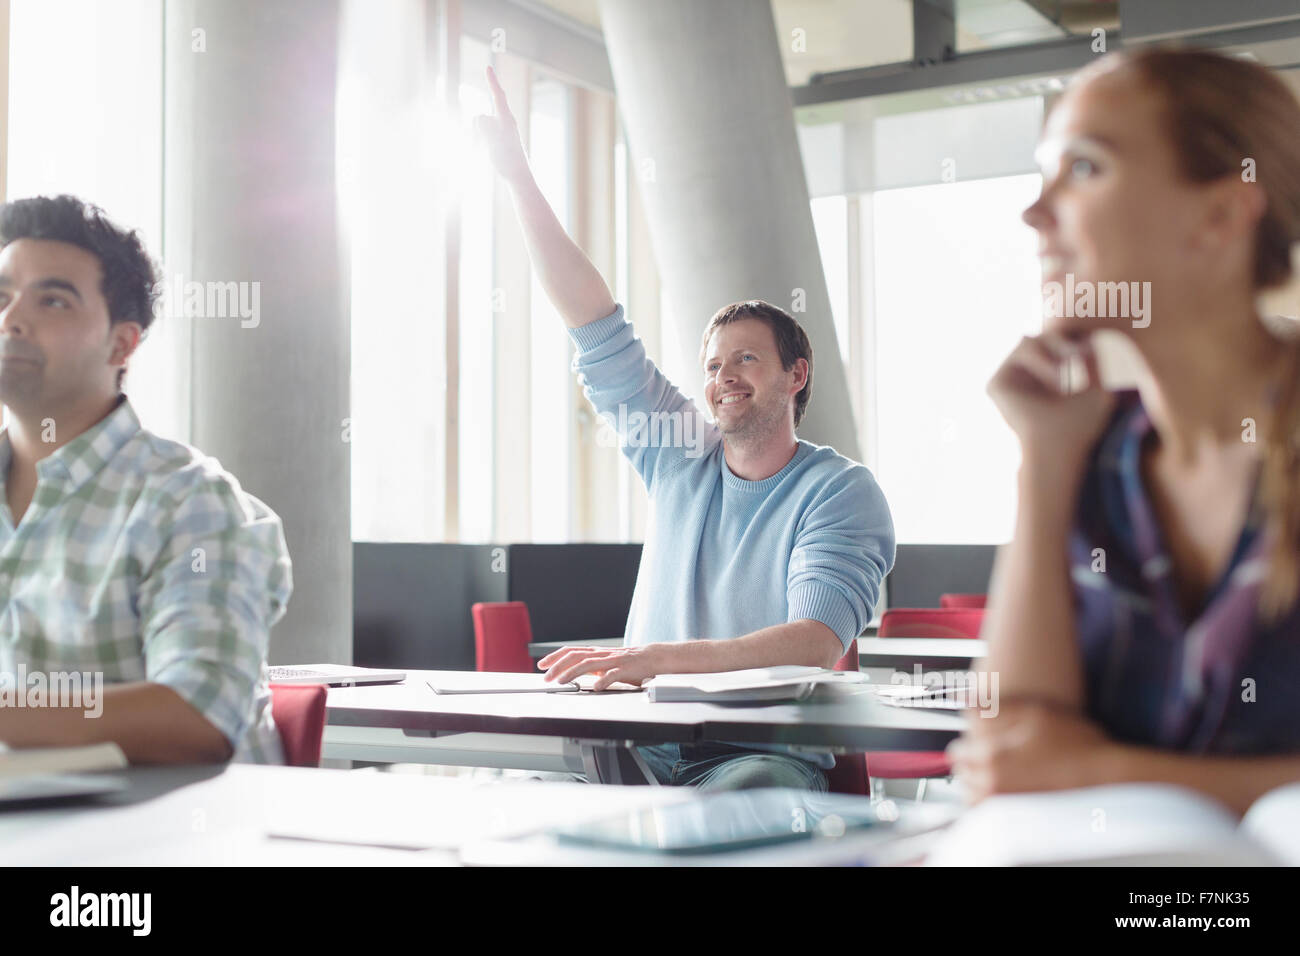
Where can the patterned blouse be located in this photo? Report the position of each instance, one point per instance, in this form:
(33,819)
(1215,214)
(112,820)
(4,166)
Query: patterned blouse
(1222,681)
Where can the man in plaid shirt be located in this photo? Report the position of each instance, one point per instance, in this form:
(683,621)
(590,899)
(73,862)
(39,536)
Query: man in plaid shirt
(122,554)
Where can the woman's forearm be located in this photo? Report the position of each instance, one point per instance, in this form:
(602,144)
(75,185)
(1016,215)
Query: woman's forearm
(1237,782)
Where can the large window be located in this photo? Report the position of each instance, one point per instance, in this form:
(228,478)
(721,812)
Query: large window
(933,278)
(831,222)
(956,286)
(481,305)
(467,424)
(396,185)
(85,116)
(550,406)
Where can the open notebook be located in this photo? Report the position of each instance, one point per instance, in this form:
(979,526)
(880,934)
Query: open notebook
(753,685)
(1123,824)
(58,772)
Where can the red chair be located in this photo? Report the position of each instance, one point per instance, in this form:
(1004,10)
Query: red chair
(502,633)
(960,622)
(957,623)
(963,600)
(299,714)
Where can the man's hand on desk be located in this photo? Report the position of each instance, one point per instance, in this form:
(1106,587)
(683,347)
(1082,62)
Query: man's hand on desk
(631,665)
(1030,746)
(806,642)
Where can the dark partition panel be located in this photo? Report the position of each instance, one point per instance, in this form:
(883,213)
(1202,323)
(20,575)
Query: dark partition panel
(922,572)
(574,592)
(411,602)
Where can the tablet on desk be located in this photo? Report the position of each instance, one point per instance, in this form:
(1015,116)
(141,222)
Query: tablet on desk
(491,682)
(737,820)
(335,675)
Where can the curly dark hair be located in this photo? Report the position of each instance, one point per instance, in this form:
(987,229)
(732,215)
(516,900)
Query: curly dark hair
(130,279)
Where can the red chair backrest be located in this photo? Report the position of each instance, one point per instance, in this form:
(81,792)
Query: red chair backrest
(502,633)
(299,714)
(931,622)
(963,600)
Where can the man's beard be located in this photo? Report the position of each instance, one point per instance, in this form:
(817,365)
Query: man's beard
(20,382)
(762,420)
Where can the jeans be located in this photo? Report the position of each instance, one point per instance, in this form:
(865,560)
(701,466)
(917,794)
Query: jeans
(724,767)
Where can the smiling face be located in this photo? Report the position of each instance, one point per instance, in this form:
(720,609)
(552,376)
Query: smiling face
(58,349)
(748,393)
(1115,206)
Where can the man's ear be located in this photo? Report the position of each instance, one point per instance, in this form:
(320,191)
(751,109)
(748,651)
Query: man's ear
(125,338)
(801,372)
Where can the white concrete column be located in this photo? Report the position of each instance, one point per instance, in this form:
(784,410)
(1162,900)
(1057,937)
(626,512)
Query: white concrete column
(250,199)
(711,130)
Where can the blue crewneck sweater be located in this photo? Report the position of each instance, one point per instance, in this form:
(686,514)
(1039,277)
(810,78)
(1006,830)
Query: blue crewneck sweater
(723,556)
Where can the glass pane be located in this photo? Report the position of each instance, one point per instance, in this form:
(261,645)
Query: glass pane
(956,286)
(398,153)
(85,118)
(479,305)
(830,220)
(551,406)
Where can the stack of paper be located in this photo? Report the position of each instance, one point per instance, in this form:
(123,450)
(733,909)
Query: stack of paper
(952,697)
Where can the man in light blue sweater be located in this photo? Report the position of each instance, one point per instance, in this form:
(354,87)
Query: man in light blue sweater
(761,549)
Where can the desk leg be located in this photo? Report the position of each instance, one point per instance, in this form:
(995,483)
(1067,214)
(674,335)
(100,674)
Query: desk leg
(613,761)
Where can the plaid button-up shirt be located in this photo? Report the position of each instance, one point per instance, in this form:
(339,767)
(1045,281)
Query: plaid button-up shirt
(1221,680)
(141,559)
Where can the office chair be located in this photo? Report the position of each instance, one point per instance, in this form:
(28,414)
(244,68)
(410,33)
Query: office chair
(502,633)
(299,714)
(958,622)
(963,600)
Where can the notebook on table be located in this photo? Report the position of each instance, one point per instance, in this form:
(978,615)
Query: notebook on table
(58,773)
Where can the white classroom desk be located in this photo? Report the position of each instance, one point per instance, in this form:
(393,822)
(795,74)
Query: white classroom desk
(243,815)
(596,734)
(240,815)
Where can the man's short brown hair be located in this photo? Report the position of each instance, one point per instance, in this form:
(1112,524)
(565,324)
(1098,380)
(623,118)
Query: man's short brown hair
(791,340)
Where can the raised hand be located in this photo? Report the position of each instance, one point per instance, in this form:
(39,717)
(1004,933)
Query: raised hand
(570,281)
(500,133)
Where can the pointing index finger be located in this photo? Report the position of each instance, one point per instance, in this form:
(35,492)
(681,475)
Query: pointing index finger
(499,102)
